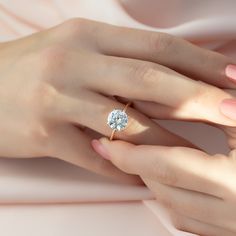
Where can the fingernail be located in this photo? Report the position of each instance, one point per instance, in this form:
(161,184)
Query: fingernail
(100,149)
(230,72)
(228,108)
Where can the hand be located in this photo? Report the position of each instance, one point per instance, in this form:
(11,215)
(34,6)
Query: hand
(55,83)
(199,190)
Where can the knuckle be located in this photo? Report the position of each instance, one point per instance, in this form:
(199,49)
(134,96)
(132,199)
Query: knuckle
(39,134)
(46,98)
(74,25)
(145,73)
(77,28)
(203,93)
(164,174)
(161,42)
(44,95)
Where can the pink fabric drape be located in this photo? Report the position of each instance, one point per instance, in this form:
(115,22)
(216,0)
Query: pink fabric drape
(49,197)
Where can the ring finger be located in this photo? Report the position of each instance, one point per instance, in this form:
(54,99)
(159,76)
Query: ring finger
(91,110)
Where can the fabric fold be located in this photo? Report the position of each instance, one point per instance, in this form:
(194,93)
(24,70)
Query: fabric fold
(47,180)
(61,188)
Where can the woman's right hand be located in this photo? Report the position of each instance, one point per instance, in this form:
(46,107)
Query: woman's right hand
(56,88)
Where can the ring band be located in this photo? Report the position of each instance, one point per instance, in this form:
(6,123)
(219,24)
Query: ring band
(118,120)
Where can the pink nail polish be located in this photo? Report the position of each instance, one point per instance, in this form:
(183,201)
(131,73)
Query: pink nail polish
(99,148)
(230,72)
(228,108)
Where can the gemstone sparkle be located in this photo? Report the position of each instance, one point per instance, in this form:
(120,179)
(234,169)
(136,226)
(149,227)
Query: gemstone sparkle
(117,120)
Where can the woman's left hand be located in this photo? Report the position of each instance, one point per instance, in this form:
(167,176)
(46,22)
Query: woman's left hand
(198,189)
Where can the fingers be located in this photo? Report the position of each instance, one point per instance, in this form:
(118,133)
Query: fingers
(197,227)
(130,78)
(175,166)
(191,204)
(166,50)
(71,145)
(91,110)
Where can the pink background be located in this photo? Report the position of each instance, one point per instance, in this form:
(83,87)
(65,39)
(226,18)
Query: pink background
(49,197)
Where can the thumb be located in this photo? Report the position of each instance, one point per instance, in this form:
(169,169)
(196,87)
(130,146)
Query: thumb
(115,151)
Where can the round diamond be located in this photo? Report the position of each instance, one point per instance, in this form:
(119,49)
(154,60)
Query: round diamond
(117,120)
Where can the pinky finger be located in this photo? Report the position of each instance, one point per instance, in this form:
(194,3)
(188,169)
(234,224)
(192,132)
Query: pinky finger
(70,144)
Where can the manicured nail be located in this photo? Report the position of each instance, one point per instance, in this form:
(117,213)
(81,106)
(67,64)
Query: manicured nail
(230,72)
(228,108)
(100,149)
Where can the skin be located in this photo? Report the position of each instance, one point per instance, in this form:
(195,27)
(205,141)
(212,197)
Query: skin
(58,86)
(197,189)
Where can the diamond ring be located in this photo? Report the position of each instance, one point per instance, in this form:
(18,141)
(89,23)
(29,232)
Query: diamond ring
(118,120)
